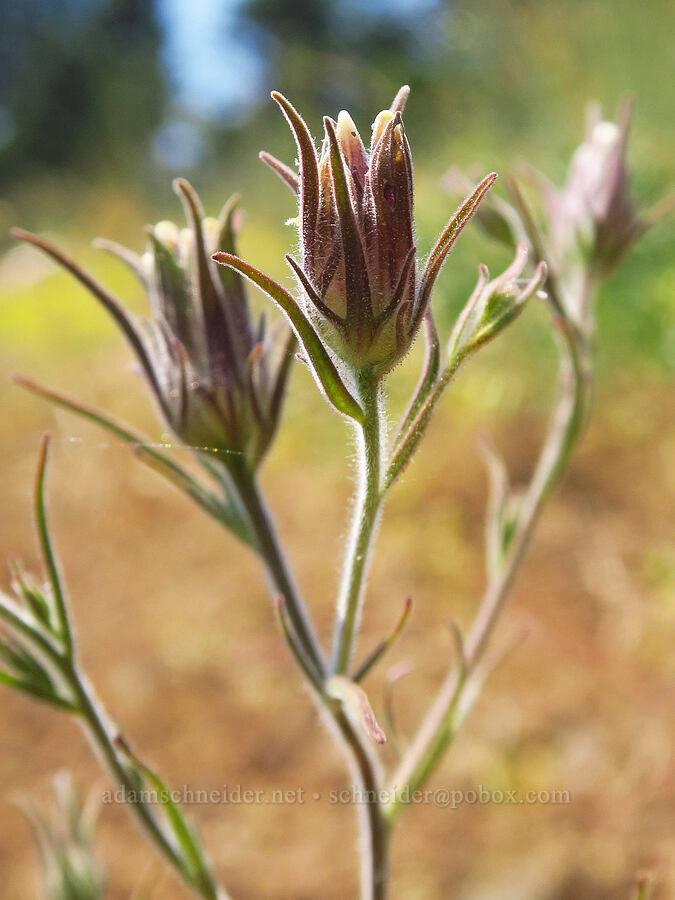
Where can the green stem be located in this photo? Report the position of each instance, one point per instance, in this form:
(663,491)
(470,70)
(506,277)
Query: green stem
(415,426)
(103,739)
(48,552)
(364,527)
(374,827)
(441,723)
(374,831)
(278,572)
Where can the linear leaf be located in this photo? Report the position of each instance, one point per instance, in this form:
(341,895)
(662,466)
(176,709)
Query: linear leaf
(323,365)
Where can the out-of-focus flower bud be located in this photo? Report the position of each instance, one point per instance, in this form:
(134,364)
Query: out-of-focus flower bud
(217,375)
(593,220)
(359,279)
(493,304)
(594,213)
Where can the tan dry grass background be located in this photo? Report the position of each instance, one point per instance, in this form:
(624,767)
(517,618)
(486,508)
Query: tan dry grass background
(177,632)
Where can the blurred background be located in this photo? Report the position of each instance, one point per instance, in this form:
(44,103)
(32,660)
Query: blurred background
(102,102)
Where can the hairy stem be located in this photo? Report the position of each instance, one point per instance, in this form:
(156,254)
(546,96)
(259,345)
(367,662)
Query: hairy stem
(374,828)
(278,571)
(374,832)
(364,526)
(440,723)
(102,737)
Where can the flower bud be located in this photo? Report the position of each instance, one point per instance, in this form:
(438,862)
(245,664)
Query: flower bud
(493,305)
(217,387)
(217,375)
(595,215)
(359,281)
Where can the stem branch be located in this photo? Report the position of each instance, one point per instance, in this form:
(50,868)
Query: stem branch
(440,723)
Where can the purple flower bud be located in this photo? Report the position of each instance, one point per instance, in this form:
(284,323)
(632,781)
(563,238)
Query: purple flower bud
(359,278)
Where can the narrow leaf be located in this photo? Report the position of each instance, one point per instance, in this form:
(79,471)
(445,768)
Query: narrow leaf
(224,353)
(130,259)
(296,648)
(193,854)
(429,373)
(385,644)
(227,513)
(34,598)
(356,272)
(309,171)
(283,171)
(322,364)
(450,234)
(408,441)
(48,555)
(25,664)
(37,692)
(280,379)
(312,292)
(110,303)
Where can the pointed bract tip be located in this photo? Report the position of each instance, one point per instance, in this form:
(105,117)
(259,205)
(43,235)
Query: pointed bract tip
(401,98)
(223,258)
(283,102)
(20,233)
(228,211)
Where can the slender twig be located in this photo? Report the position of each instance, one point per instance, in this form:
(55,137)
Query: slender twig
(102,736)
(409,438)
